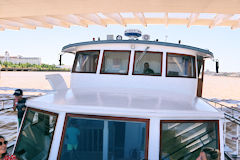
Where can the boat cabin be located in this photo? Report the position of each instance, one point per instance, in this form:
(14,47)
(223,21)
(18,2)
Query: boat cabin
(128,100)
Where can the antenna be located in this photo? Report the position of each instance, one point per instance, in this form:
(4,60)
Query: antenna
(143,54)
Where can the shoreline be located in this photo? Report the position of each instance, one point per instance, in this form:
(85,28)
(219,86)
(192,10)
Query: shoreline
(32,70)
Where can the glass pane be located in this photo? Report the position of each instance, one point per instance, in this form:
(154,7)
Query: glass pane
(100,139)
(86,61)
(180,66)
(36,135)
(186,139)
(115,62)
(148,63)
(127,140)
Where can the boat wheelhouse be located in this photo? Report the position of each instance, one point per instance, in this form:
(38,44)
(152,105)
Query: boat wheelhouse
(128,100)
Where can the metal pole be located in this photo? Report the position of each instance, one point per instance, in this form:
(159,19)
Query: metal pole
(237,138)
(2,104)
(105,140)
(225,131)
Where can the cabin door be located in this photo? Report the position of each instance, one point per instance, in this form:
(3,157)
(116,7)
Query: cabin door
(200,65)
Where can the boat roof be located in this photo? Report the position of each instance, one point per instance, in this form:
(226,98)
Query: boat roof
(209,53)
(16,14)
(125,102)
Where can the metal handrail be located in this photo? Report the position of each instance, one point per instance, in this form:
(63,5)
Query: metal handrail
(11,99)
(231,117)
(222,105)
(227,115)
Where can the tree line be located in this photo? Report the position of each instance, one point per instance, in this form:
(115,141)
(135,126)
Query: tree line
(48,67)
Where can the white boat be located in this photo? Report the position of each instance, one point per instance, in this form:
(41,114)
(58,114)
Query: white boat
(128,100)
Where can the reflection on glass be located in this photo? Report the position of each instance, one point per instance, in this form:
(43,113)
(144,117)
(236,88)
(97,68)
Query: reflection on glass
(100,139)
(186,139)
(200,63)
(180,66)
(148,63)
(115,62)
(36,135)
(86,61)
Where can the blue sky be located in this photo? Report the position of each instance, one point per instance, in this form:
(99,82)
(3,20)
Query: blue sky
(47,43)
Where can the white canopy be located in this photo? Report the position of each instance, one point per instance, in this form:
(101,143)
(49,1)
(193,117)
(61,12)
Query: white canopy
(16,14)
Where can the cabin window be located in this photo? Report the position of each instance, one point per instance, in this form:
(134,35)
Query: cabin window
(116,62)
(185,139)
(36,134)
(102,138)
(180,65)
(86,62)
(147,63)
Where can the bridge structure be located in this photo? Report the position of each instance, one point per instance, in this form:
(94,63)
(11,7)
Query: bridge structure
(17,14)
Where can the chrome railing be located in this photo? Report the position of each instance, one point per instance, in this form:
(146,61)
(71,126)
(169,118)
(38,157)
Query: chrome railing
(231,113)
(4,103)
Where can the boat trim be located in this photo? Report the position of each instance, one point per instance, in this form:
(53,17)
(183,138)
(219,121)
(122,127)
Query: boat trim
(181,55)
(43,111)
(209,53)
(147,121)
(129,58)
(134,59)
(186,121)
(75,61)
(200,78)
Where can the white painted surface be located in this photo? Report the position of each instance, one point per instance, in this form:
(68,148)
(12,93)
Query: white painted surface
(154,139)
(56,81)
(134,96)
(126,102)
(221,121)
(57,136)
(179,85)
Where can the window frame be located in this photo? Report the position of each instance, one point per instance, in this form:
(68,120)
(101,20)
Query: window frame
(129,58)
(167,53)
(187,121)
(75,61)
(42,111)
(127,119)
(161,53)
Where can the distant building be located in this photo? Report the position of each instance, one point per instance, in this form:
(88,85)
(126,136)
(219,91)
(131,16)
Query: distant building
(20,59)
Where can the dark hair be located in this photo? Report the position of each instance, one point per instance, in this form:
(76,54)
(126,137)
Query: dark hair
(211,153)
(3,155)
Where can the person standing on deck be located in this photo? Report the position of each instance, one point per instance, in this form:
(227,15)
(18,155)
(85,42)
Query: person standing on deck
(19,104)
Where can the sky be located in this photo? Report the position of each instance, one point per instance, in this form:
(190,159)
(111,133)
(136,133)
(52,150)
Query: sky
(47,43)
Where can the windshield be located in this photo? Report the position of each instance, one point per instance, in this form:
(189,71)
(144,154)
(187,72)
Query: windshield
(180,65)
(36,134)
(111,138)
(86,62)
(148,63)
(115,62)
